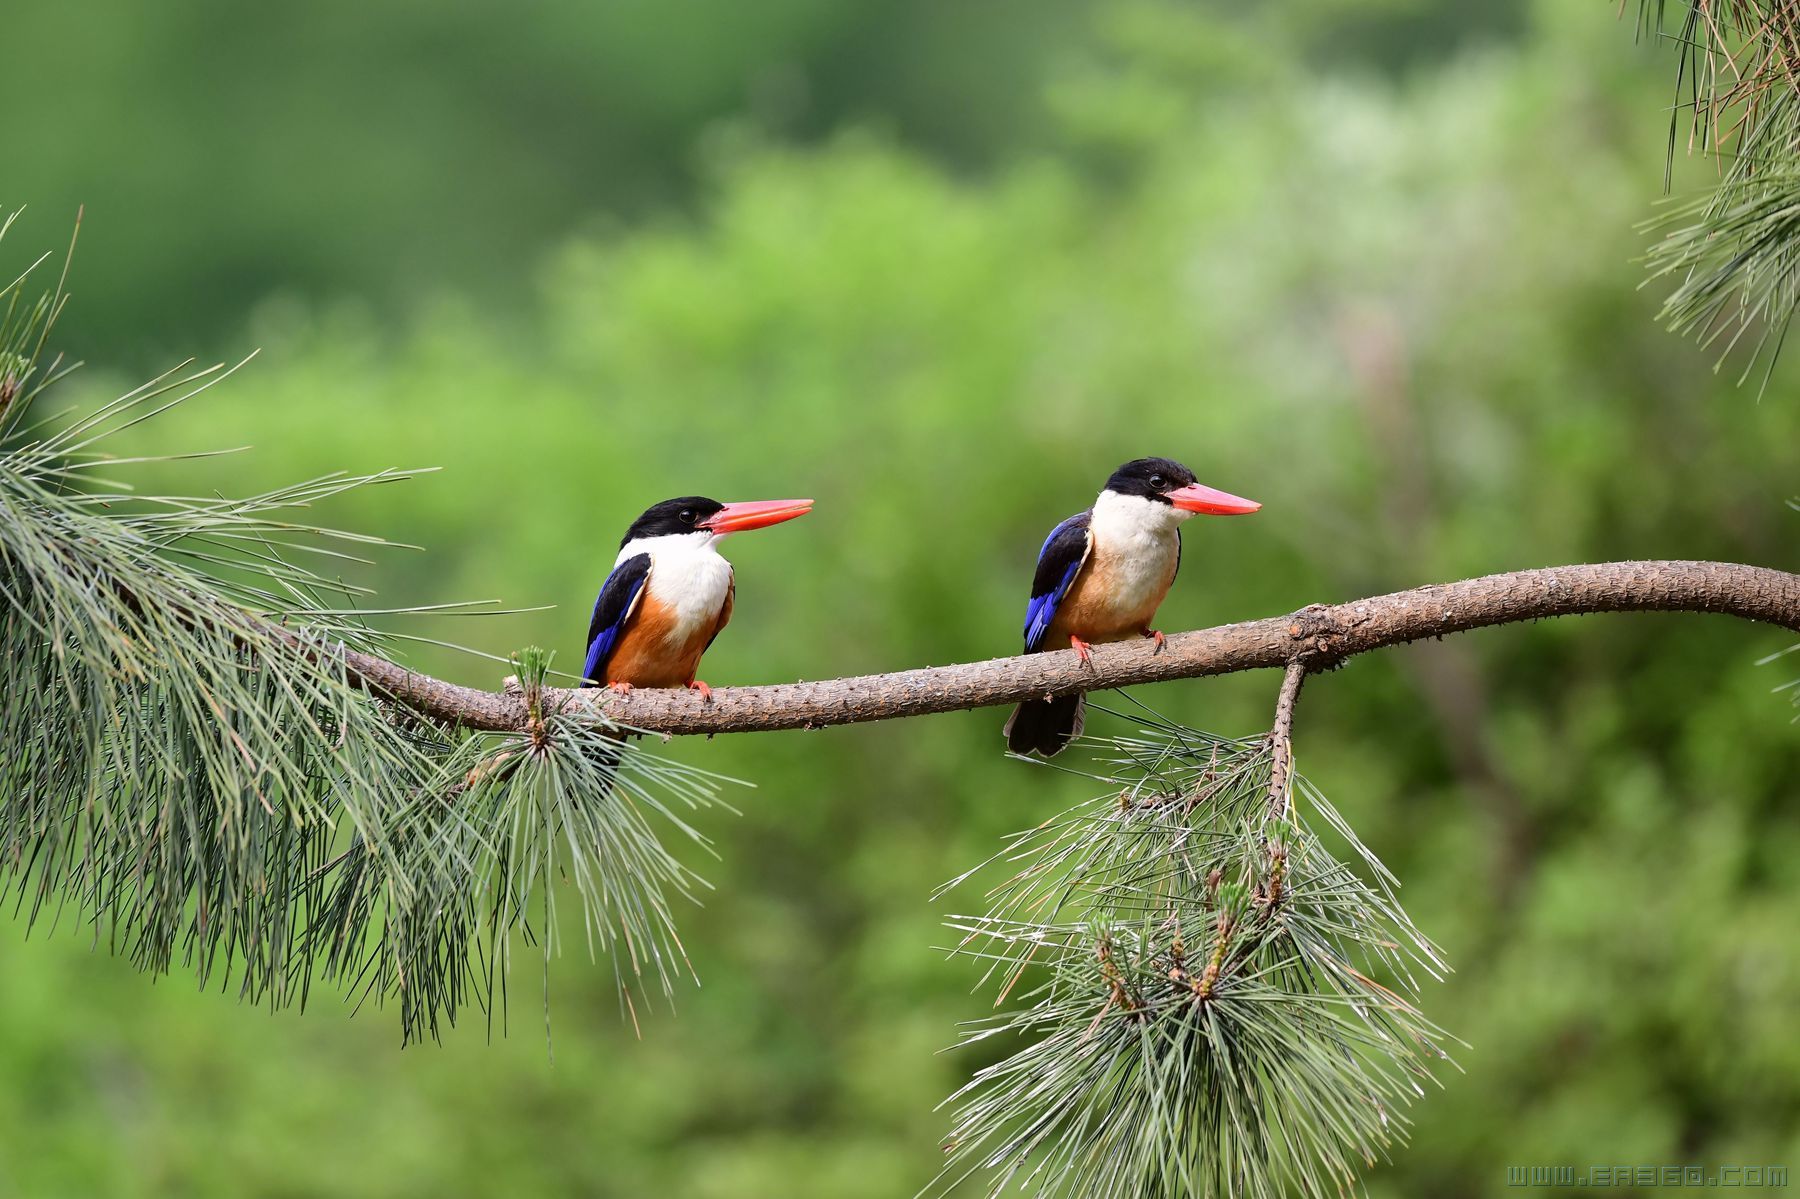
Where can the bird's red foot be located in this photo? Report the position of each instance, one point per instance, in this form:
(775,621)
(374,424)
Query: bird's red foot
(1082,649)
(621,688)
(1155,635)
(702,688)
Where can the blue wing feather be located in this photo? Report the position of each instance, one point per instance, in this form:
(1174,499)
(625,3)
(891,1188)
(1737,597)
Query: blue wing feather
(1042,610)
(1059,561)
(617,599)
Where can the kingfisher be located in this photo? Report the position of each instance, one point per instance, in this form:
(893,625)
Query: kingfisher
(1101,575)
(671,592)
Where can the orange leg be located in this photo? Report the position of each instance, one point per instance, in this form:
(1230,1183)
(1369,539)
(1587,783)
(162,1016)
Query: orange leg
(702,688)
(1155,635)
(621,688)
(1082,649)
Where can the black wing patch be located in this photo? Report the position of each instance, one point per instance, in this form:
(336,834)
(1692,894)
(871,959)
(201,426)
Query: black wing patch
(617,601)
(1059,561)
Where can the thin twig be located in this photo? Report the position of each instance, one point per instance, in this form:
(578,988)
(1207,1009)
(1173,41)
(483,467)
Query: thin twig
(1281,739)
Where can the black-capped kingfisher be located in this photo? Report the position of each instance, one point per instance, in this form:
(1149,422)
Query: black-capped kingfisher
(1101,575)
(670,592)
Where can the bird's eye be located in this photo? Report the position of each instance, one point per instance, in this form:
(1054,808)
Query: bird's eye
(1158,482)
(687,516)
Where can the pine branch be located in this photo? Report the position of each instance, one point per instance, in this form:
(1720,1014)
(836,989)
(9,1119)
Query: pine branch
(1210,1002)
(190,771)
(1321,636)
(1281,739)
(1733,254)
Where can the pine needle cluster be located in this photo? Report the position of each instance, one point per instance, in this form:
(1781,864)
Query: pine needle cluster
(1201,998)
(190,773)
(1733,253)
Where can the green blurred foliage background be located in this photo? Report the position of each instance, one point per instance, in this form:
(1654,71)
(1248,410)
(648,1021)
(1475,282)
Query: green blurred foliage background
(942,267)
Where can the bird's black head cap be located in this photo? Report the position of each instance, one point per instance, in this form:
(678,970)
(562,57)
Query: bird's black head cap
(683,514)
(1152,478)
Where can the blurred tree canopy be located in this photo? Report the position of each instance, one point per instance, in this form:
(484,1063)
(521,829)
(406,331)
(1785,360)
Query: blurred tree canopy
(1392,297)
(392,150)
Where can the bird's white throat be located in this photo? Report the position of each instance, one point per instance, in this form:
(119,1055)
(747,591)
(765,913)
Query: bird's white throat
(688,576)
(1124,517)
(1137,543)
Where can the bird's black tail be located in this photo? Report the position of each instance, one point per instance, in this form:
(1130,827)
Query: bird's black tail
(1046,726)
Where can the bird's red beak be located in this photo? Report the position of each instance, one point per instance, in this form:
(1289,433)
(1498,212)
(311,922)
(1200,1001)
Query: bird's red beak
(1198,498)
(754,514)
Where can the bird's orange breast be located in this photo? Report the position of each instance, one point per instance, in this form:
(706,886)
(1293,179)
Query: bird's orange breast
(1100,606)
(650,655)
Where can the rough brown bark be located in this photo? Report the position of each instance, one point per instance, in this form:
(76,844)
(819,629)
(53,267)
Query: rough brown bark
(1281,737)
(1319,636)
